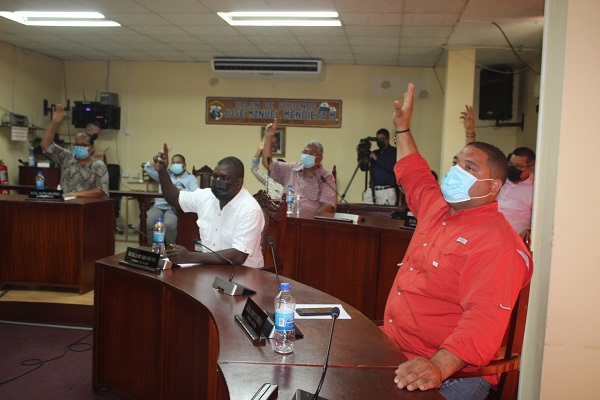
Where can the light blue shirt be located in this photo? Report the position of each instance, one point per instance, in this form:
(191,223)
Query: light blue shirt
(185,181)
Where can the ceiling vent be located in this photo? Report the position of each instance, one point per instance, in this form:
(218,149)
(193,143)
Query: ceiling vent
(306,70)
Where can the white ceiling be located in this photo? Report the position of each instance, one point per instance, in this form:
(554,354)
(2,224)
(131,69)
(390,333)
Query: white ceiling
(374,32)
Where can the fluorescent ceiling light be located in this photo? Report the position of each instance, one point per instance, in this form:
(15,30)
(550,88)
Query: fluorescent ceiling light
(306,18)
(41,18)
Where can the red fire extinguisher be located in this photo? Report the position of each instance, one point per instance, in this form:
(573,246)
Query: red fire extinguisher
(3,177)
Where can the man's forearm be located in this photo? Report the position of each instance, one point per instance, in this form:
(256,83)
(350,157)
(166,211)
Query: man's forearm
(169,190)
(266,153)
(447,362)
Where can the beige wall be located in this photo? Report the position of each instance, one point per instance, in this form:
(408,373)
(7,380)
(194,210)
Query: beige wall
(563,331)
(24,84)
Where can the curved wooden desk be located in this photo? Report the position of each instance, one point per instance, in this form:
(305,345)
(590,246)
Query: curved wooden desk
(170,335)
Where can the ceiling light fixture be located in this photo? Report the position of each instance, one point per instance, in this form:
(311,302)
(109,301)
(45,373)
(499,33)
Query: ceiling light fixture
(42,18)
(306,18)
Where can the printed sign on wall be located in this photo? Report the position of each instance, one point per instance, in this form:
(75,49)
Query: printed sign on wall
(289,112)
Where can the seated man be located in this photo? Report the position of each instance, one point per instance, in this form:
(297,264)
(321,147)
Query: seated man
(230,219)
(161,209)
(81,175)
(315,185)
(451,301)
(515,200)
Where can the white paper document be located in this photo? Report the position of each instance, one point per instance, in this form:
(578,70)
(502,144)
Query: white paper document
(343,313)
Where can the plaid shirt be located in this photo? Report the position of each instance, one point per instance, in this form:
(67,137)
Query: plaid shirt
(314,192)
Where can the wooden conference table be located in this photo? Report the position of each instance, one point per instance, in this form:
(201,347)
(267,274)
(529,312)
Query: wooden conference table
(47,243)
(170,335)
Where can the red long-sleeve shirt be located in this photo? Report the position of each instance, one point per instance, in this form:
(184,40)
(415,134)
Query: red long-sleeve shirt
(460,277)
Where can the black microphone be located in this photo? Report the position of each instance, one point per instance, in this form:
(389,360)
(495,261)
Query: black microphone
(163,262)
(226,286)
(271,243)
(336,192)
(23,162)
(301,394)
(130,226)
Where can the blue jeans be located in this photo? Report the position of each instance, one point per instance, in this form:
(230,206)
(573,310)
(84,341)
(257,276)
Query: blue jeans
(465,389)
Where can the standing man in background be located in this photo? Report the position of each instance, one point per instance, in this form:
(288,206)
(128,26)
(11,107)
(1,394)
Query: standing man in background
(161,209)
(383,181)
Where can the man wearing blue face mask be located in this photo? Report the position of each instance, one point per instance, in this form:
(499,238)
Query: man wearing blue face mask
(315,185)
(161,209)
(450,303)
(81,174)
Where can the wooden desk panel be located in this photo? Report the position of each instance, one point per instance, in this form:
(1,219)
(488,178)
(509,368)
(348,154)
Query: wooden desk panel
(54,243)
(354,262)
(166,334)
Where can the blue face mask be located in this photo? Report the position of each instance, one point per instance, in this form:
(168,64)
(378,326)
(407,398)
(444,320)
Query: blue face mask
(456,185)
(80,152)
(177,168)
(307,160)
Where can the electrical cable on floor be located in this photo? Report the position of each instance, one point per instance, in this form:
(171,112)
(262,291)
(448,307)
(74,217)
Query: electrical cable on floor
(74,347)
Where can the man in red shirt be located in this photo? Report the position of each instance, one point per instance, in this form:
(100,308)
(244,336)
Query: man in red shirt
(454,291)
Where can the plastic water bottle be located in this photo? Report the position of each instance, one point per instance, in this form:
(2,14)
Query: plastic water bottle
(31,162)
(158,243)
(285,335)
(40,181)
(289,199)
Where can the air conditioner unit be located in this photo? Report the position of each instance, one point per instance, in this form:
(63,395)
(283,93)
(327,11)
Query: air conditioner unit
(306,70)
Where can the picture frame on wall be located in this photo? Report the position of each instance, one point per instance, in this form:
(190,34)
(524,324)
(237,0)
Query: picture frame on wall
(278,144)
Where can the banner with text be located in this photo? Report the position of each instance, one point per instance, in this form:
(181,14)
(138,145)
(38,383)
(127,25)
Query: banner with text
(289,112)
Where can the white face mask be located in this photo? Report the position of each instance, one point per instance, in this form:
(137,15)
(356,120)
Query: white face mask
(456,185)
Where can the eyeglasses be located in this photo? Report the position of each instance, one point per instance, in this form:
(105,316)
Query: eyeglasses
(520,167)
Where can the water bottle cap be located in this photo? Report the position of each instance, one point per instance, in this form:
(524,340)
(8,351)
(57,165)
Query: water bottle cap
(284,286)
(158,219)
(39,173)
(290,186)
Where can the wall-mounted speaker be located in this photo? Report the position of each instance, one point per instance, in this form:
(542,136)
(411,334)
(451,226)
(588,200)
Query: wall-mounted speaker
(496,94)
(108,116)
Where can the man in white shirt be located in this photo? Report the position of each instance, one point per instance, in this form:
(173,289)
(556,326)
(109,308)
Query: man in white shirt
(230,219)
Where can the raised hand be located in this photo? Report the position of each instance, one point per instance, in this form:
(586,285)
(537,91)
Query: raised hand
(403,111)
(58,113)
(161,160)
(271,129)
(468,118)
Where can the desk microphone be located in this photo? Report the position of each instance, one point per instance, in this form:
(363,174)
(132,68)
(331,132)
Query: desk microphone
(271,243)
(301,394)
(336,192)
(130,226)
(226,286)
(163,262)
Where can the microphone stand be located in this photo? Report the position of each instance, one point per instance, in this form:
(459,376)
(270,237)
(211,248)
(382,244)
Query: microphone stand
(271,242)
(226,286)
(342,197)
(303,395)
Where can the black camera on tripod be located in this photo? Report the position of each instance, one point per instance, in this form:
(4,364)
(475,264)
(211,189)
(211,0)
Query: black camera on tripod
(364,153)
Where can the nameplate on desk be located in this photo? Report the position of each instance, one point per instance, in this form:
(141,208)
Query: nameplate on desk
(252,321)
(339,217)
(43,194)
(141,259)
